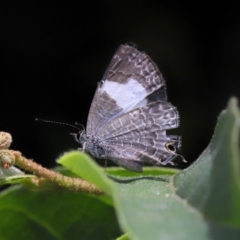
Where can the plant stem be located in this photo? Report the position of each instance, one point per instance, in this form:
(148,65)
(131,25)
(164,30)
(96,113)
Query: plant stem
(61,180)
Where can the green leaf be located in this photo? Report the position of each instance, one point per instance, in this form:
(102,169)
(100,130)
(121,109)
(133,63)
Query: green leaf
(124,237)
(148,209)
(143,203)
(82,165)
(207,202)
(147,171)
(212,184)
(85,167)
(201,202)
(16,179)
(56,214)
(13,175)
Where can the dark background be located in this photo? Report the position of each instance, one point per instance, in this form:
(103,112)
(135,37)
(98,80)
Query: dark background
(52,56)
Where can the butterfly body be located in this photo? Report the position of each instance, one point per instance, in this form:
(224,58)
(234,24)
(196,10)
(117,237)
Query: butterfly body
(129,115)
(97,147)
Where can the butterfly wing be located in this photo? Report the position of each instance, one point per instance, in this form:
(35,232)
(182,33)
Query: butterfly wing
(156,116)
(140,135)
(132,80)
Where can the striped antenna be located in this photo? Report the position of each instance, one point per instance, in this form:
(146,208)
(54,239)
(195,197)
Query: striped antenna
(62,123)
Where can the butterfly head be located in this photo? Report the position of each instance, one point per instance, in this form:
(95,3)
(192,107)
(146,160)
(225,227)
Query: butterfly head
(80,137)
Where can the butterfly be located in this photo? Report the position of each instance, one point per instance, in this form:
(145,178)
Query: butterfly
(129,114)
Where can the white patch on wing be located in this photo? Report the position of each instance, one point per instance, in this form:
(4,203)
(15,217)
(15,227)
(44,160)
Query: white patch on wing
(127,95)
(142,103)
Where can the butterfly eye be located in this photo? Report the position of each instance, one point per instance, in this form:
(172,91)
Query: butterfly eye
(101,83)
(171,147)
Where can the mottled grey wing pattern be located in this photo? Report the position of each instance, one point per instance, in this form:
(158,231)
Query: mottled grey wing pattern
(131,80)
(130,114)
(140,134)
(155,116)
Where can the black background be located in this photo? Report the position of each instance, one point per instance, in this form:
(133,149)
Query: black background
(53,54)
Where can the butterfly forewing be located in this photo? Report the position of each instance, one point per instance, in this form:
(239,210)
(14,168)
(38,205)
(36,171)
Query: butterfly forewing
(130,81)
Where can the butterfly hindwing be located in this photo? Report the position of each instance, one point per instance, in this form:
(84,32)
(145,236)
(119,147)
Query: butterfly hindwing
(140,121)
(140,134)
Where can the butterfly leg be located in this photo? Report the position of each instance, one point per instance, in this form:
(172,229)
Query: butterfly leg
(83,148)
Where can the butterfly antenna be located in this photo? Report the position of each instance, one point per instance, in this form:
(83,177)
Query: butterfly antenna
(62,123)
(79,124)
